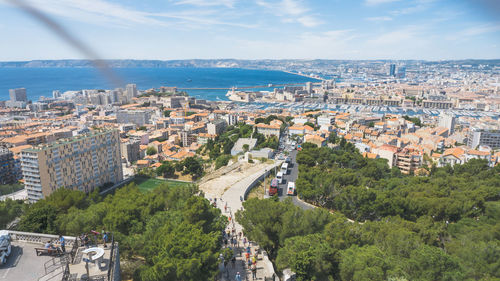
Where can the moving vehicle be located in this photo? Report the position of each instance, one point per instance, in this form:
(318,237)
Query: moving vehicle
(5,247)
(284,168)
(288,160)
(279,177)
(273,188)
(290,190)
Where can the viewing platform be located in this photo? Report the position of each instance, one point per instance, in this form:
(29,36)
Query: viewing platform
(23,263)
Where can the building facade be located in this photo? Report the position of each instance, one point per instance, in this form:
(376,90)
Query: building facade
(130,150)
(137,117)
(447,121)
(7,166)
(216,127)
(18,95)
(486,137)
(84,163)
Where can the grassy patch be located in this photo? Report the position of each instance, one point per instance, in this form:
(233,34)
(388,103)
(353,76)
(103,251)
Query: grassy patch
(146,184)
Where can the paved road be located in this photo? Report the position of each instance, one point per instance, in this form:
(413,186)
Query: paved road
(231,199)
(293,173)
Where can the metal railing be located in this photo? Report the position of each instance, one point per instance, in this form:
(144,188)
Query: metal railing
(111,256)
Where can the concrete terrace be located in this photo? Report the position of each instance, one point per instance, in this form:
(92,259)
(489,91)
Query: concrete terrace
(23,263)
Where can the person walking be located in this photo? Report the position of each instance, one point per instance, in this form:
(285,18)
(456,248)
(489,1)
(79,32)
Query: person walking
(233,261)
(62,243)
(254,271)
(237,277)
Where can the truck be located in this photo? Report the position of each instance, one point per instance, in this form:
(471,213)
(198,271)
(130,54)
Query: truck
(273,188)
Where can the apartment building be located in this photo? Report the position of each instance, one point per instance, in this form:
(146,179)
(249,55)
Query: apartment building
(437,104)
(216,127)
(268,130)
(130,150)
(84,163)
(137,117)
(7,166)
(479,136)
(408,161)
(325,120)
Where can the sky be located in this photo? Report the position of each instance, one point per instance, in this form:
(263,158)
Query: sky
(256,29)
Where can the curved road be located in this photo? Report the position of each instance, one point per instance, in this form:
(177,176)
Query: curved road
(293,173)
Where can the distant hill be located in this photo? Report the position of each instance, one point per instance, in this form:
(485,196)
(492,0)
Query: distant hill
(235,63)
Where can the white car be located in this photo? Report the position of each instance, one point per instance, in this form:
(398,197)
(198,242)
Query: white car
(5,247)
(290,190)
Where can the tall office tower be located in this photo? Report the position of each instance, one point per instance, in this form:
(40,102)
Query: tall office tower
(447,120)
(7,166)
(308,87)
(83,162)
(392,71)
(401,72)
(18,95)
(56,94)
(131,90)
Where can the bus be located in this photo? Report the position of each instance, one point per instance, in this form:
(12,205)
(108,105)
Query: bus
(279,177)
(273,188)
(290,190)
(284,168)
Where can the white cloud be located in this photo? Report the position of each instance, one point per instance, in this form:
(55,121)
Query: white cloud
(481,29)
(378,2)
(291,11)
(475,30)
(104,12)
(378,18)
(309,21)
(415,7)
(206,3)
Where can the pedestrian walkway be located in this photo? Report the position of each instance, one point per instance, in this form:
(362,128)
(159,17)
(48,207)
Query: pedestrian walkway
(229,204)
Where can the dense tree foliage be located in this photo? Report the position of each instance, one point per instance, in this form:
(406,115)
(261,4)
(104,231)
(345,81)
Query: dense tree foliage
(9,210)
(176,231)
(442,227)
(222,161)
(151,150)
(414,120)
(167,170)
(223,143)
(367,189)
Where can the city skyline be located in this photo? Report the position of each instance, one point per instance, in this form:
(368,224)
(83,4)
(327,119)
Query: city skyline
(287,29)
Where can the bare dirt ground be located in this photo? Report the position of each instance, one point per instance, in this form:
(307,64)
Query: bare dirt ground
(215,184)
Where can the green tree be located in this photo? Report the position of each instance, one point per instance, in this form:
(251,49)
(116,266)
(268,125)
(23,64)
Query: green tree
(193,166)
(221,161)
(309,256)
(151,150)
(166,170)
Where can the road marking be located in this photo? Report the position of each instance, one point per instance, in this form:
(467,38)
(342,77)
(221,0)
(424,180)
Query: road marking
(6,272)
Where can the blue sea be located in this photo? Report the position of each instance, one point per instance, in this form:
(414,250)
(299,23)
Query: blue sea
(42,81)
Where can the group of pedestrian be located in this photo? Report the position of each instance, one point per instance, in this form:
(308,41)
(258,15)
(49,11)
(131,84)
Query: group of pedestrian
(86,241)
(60,246)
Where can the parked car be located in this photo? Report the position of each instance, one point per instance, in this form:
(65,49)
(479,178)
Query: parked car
(290,190)
(5,247)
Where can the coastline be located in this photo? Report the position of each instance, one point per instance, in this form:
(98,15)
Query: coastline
(304,75)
